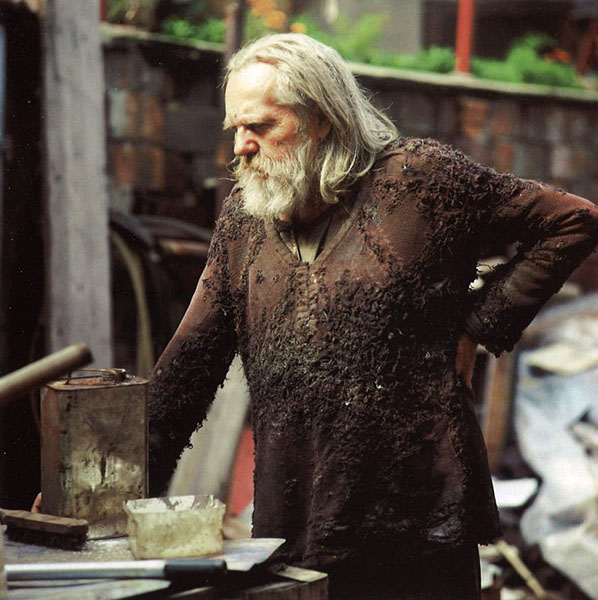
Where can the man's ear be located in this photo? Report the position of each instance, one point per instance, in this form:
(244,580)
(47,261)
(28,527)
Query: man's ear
(324,127)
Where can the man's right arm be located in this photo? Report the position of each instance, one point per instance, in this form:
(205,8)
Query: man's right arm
(193,365)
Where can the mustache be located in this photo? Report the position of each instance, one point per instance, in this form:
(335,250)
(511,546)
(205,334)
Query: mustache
(305,158)
(253,163)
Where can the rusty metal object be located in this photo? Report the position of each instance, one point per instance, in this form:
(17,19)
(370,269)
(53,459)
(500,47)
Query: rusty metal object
(94,447)
(28,378)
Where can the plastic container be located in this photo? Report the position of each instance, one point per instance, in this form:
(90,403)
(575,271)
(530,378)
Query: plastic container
(176,526)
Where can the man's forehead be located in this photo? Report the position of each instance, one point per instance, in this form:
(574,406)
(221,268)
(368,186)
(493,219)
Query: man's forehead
(243,106)
(239,114)
(254,80)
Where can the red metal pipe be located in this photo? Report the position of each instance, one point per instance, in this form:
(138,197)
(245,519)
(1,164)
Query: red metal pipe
(464,35)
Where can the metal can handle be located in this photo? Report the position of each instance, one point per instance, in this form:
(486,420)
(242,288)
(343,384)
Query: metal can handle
(113,375)
(107,375)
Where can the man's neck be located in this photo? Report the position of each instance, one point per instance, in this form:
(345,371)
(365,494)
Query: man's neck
(308,215)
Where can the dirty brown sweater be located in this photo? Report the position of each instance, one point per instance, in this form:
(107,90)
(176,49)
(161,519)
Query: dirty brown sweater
(366,439)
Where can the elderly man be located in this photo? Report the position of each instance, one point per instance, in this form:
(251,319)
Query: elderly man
(340,271)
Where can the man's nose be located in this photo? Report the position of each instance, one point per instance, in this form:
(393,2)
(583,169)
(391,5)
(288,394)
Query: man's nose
(244,142)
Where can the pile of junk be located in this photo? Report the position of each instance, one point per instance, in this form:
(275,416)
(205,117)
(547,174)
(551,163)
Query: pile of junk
(546,477)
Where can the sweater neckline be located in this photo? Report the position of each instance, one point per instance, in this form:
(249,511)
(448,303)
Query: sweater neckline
(287,254)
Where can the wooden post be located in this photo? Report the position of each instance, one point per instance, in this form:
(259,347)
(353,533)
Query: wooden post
(464,35)
(498,399)
(77,248)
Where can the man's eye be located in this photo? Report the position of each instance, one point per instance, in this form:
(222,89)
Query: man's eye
(259,128)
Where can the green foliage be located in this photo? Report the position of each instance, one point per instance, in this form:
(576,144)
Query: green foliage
(524,64)
(496,70)
(211,30)
(355,42)
(435,59)
(358,42)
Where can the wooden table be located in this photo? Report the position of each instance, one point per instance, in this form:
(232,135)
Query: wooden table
(261,583)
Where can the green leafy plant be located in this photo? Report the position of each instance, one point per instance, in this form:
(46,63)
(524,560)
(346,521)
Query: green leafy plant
(435,59)
(358,42)
(210,30)
(524,64)
(355,42)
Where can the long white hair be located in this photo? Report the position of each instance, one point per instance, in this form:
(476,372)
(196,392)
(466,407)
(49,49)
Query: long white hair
(314,80)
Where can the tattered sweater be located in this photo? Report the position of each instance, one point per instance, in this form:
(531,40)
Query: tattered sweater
(366,439)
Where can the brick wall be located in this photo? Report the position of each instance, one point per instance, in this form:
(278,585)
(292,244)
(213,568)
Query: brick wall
(164,120)
(549,137)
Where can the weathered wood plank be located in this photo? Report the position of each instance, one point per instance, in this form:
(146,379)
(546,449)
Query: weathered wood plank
(498,396)
(78,286)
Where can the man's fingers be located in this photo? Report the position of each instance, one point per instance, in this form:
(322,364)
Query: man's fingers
(37,504)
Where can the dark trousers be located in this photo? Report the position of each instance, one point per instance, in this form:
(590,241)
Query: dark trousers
(452,574)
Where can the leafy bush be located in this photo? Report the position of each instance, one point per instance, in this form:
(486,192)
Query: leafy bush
(358,42)
(211,30)
(434,59)
(524,64)
(355,42)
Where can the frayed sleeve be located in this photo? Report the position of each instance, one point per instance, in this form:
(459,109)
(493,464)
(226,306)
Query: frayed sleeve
(555,232)
(193,365)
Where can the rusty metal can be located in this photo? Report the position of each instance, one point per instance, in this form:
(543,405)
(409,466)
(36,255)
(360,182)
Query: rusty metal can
(94,447)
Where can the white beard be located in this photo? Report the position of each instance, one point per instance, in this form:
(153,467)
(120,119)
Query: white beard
(273,188)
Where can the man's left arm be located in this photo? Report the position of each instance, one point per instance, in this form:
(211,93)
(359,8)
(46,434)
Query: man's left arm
(555,232)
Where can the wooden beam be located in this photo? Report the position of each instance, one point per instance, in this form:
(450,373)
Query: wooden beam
(498,399)
(77,247)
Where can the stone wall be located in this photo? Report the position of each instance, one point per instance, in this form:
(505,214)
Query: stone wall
(164,120)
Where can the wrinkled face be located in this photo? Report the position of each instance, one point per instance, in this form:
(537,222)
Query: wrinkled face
(276,163)
(261,124)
